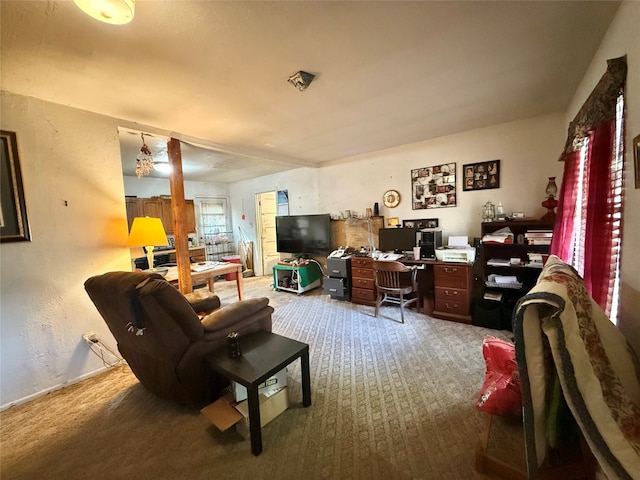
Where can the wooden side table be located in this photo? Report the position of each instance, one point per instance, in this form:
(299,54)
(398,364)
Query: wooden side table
(263,355)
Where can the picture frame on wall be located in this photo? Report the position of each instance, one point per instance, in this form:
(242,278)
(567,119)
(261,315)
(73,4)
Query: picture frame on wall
(433,187)
(14,226)
(481,176)
(636,159)
(420,224)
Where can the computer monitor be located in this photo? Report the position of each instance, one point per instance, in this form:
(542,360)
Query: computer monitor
(397,240)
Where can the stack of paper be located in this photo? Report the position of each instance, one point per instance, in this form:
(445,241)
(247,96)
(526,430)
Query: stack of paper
(495,296)
(498,262)
(504,235)
(503,281)
(202,266)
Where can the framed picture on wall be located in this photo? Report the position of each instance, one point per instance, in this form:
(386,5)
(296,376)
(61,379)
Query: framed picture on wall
(433,187)
(14,226)
(481,176)
(422,223)
(636,159)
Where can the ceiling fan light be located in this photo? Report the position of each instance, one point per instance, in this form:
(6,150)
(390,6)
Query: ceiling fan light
(144,160)
(115,12)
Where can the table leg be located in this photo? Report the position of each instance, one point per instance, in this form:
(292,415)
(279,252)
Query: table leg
(254,419)
(239,283)
(210,282)
(306,378)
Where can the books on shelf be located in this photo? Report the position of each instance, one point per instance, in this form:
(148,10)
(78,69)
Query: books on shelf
(539,241)
(539,237)
(545,232)
(537,260)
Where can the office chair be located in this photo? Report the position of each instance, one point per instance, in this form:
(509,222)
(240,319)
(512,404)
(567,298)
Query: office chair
(395,283)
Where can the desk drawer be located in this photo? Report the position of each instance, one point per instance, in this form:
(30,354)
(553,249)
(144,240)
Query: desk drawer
(362,294)
(451,306)
(451,276)
(338,287)
(452,294)
(362,272)
(338,267)
(361,262)
(368,283)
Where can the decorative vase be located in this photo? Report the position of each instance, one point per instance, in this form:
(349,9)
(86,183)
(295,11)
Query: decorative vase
(550,202)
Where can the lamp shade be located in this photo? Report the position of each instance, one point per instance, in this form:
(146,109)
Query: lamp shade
(147,231)
(115,12)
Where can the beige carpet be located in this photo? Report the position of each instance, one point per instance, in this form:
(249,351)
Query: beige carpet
(390,400)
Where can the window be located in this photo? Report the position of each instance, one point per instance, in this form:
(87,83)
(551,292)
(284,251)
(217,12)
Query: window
(215,227)
(594,238)
(588,229)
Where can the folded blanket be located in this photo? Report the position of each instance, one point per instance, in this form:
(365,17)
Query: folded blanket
(569,354)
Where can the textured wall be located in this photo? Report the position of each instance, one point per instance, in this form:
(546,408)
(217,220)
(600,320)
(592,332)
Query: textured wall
(74,195)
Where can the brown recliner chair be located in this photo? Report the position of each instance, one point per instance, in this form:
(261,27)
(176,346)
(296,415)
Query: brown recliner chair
(161,336)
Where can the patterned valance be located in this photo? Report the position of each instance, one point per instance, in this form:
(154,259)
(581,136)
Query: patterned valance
(600,106)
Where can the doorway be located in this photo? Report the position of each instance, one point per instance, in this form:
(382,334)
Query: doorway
(267,208)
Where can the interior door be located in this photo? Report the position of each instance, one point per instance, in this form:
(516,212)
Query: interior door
(267,209)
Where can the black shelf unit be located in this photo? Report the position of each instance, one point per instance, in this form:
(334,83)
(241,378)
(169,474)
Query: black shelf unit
(527,276)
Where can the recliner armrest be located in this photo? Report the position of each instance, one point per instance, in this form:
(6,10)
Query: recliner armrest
(203,301)
(231,314)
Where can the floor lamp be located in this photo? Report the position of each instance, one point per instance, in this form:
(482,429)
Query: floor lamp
(147,232)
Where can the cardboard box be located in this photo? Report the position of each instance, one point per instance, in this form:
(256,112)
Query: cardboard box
(224,412)
(270,385)
(270,407)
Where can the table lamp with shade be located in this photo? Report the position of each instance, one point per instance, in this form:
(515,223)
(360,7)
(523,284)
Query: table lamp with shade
(147,232)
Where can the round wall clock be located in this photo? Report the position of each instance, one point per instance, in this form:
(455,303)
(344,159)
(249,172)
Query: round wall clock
(391,198)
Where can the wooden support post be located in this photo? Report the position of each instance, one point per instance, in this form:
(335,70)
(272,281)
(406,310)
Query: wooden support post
(179,211)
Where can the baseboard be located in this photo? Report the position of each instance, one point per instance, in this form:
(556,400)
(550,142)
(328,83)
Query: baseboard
(60,386)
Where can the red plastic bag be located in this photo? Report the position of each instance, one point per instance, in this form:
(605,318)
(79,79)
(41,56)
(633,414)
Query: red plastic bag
(500,394)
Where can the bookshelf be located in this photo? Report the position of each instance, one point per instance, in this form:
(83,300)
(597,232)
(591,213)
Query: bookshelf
(510,268)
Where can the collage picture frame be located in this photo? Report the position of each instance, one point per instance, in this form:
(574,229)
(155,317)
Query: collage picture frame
(481,176)
(433,187)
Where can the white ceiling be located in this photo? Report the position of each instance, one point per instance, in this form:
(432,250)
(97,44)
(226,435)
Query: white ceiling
(214,74)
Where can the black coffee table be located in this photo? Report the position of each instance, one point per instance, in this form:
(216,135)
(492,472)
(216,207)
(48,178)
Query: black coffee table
(263,355)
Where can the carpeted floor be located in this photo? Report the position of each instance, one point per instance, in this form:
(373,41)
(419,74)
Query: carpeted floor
(390,400)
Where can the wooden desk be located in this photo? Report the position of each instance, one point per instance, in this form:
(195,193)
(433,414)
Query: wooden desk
(452,284)
(209,276)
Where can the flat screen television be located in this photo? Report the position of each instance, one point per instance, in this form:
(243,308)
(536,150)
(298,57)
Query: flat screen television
(397,239)
(304,234)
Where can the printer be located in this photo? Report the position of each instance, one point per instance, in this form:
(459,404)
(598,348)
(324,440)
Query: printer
(457,250)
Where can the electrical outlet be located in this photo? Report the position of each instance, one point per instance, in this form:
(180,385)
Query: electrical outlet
(90,337)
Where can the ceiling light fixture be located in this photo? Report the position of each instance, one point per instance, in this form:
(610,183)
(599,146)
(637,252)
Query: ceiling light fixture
(144,160)
(115,12)
(162,167)
(301,80)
